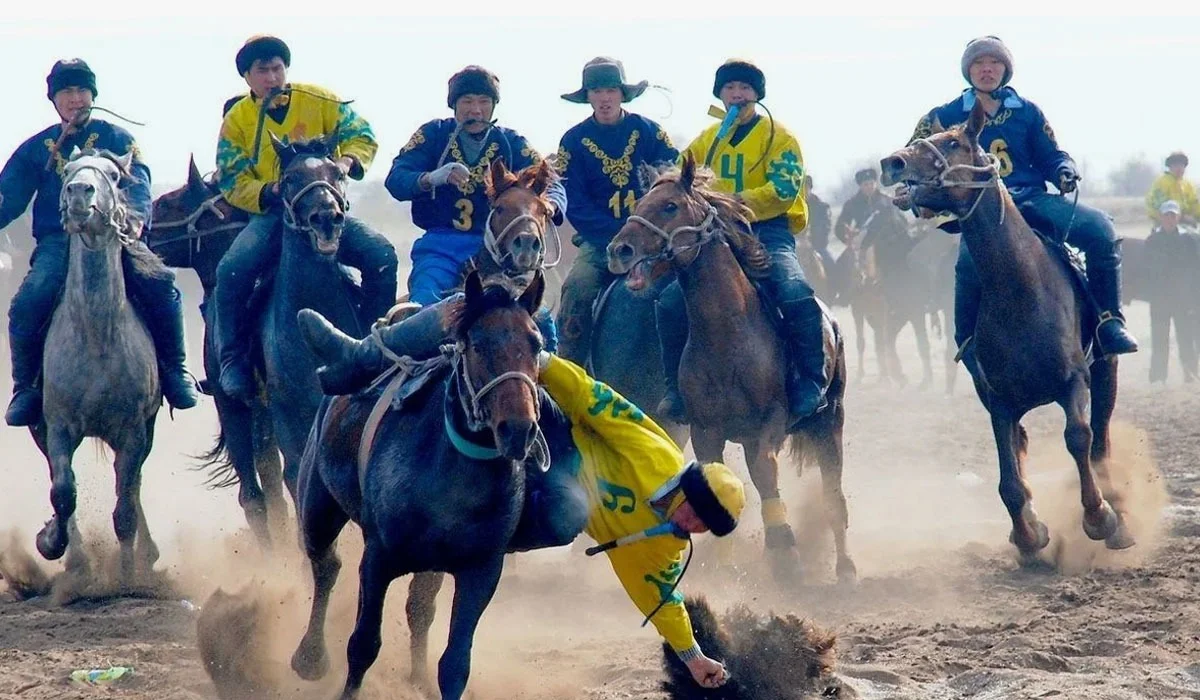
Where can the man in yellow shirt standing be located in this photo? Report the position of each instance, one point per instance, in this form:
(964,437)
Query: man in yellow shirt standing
(248,170)
(1171,186)
(758,160)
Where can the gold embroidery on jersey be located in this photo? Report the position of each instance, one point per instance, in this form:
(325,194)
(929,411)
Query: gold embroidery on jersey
(617,169)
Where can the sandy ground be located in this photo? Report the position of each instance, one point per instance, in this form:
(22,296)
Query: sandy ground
(941,609)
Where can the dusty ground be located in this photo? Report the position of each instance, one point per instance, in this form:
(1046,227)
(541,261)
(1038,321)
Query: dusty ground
(941,609)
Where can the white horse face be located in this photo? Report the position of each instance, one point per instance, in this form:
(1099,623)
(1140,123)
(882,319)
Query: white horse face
(90,192)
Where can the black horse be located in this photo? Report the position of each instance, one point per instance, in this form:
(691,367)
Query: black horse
(442,490)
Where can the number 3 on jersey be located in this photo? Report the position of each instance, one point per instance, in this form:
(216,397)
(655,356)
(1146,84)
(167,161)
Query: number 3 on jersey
(999,148)
(465,209)
(615,203)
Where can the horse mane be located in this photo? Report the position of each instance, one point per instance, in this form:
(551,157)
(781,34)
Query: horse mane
(146,262)
(461,316)
(734,217)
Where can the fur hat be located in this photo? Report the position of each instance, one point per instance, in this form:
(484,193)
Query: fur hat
(72,72)
(473,80)
(1177,157)
(261,47)
(716,494)
(987,46)
(742,71)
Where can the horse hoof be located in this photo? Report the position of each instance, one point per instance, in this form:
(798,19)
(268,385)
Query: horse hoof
(310,663)
(48,545)
(1107,525)
(1042,539)
(1122,538)
(847,572)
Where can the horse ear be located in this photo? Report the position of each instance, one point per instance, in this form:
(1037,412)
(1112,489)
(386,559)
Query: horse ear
(280,149)
(687,175)
(543,177)
(531,299)
(75,153)
(496,178)
(473,288)
(195,179)
(976,121)
(647,175)
(125,162)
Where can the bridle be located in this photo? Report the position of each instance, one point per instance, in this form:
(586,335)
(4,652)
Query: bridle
(113,218)
(491,241)
(707,230)
(209,206)
(945,169)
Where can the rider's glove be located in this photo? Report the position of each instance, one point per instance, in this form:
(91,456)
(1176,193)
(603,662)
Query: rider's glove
(1067,177)
(441,176)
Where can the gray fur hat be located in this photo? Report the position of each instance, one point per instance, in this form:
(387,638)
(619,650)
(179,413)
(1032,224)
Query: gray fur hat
(987,46)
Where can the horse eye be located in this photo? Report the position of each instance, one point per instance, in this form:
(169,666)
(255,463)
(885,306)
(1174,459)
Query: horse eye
(671,207)
(955,145)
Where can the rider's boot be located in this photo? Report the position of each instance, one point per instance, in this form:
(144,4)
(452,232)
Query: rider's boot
(1105,285)
(25,409)
(672,336)
(803,329)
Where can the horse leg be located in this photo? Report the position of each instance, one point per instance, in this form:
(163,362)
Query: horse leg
(421,606)
(1028,534)
(58,444)
(473,590)
(321,521)
(237,429)
(128,466)
(375,574)
(860,342)
(826,441)
(923,349)
(269,466)
(1104,401)
(949,355)
(1099,519)
(145,550)
(763,463)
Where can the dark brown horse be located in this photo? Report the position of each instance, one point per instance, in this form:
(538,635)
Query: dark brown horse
(442,490)
(192,227)
(1031,341)
(732,372)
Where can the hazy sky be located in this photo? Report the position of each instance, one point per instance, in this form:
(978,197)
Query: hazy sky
(849,88)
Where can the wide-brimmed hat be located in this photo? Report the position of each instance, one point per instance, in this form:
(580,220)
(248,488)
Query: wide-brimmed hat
(604,72)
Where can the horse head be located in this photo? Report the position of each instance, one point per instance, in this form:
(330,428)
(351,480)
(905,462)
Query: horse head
(673,221)
(91,202)
(521,215)
(190,211)
(945,172)
(313,190)
(497,361)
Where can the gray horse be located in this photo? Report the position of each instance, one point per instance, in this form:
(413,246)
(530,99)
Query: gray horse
(100,374)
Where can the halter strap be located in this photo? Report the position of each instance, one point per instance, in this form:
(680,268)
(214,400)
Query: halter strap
(113,218)
(289,205)
(708,229)
(209,206)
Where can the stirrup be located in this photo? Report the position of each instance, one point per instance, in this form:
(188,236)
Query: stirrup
(1108,316)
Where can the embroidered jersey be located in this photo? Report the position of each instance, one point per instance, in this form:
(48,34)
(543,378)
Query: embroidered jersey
(34,172)
(1018,135)
(601,166)
(312,112)
(1168,187)
(462,208)
(625,459)
(771,185)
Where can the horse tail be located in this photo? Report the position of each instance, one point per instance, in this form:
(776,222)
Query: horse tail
(218,463)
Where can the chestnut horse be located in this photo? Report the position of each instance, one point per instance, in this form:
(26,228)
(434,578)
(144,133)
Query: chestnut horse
(1032,341)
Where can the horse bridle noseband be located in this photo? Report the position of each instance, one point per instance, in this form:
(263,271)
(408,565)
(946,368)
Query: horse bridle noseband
(708,229)
(491,241)
(114,218)
(992,170)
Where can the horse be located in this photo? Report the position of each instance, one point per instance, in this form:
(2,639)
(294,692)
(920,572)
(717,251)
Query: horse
(308,276)
(732,375)
(100,373)
(886,293)
(442,489)
(192,227)
(1031,341)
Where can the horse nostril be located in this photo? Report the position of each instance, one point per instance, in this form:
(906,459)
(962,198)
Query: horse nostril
(339,218)
(892,167)
(623,252)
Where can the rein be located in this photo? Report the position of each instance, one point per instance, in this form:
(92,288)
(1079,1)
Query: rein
(992,170)
(708,229)
(208,206)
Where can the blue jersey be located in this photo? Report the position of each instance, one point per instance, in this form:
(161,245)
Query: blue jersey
(600,164)
(1018,135)
(462,208)
(36,167)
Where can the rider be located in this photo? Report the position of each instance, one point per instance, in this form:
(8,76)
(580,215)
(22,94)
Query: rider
(1170,186)
(760,162)
(632,472)
(601,159)
(1023,145)
(36,169)
(820,224)
(861,206)
(248,172)
(441,170)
